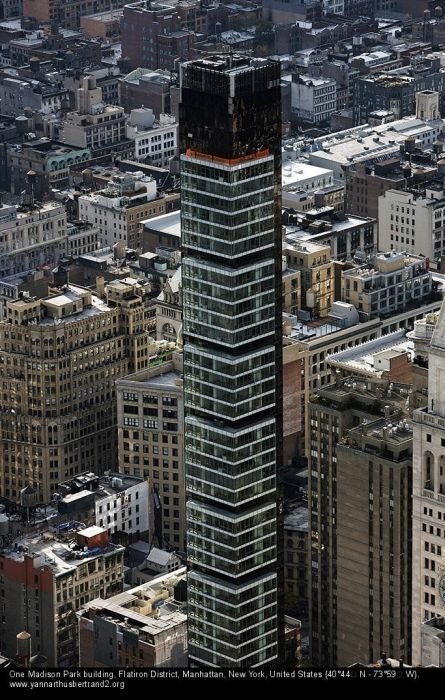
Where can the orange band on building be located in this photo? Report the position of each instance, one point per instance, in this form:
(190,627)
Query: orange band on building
(227,161)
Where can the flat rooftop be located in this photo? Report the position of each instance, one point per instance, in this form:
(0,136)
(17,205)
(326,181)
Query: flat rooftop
(294,171)
(169,224)
(133,609)
(107,485)
(161,380)
(59,555)
(361,357)
(301,232)
(297,519)
(106,16)
(302,330)
(97,307)
(306,247)
(91,531)
(370,141)
(230,64)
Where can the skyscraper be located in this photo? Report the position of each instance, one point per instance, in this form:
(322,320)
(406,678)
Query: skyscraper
(429,491)
(360,467)
(230,131)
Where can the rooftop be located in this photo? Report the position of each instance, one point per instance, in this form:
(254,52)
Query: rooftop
(389,80)
(366,393)
(418,265)
(106,15)
(302,246)
(48,549)
(332,223)
(97,307)
(371,142)
(297,519)
(294,171)
(382,434)
(303,331)
(158,556)
(24,211)
(373,56)
(169,224)
(230,64)
(158,380)
(361,357)
(100,486)
(150,608)
(91,531)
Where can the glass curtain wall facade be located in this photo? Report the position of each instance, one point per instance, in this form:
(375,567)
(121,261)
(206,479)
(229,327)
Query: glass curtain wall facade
(230,130)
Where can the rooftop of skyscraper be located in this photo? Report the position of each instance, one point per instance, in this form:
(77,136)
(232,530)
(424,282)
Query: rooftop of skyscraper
(389,437)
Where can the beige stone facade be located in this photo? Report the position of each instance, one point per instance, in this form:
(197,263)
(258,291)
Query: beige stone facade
(60,357)
(317,275)
(145,627)
(151,443)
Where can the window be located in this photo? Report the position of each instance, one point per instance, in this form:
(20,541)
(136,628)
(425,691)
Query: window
(149,423)
(134,422)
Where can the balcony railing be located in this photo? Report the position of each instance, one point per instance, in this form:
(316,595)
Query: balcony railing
(431,417)
(427,493)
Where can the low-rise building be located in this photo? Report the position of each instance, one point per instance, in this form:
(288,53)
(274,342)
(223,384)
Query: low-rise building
(301,183)
(146,87)
(31,236)
(397,90)
(144,627)
(164,231)
(413,220)
(96,125)
(391,283)
(104,24)
(316,268)
(68,13)
(307,347)
(291,303)
(365,183)
(155,562)
(50,161)
(373,143)
(154,141)
(154,36)
(119,502)
(46,578)
(314,100)
(120,209)
(349,237)
(82,238)
(16,94)
(12,8)
(29,283)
